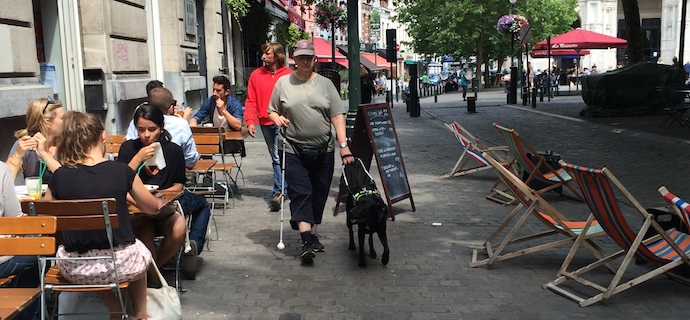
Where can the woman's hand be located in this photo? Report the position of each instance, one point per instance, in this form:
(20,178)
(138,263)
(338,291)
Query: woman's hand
(146,152)
(26,143)
(41,149)
(346,155)
(282,121)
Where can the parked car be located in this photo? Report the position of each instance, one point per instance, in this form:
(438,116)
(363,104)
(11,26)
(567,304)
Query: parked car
(434,79)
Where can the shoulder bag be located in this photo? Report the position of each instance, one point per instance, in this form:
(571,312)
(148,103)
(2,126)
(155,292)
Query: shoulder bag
(163,303)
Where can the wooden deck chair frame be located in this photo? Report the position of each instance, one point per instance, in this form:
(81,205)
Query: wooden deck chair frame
(472,149)
(519,148)
(533,205)
(87,214)
(678,205)
(30,236)
(667,248)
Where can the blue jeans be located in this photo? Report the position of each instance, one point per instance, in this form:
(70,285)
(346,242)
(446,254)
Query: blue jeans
(27,269)
(198,208)
(271,136)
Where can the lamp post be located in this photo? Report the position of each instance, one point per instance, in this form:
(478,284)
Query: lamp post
(311,28)
(512,92)
(333,43)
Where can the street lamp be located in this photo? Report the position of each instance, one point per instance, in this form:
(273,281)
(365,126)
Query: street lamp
(512,93)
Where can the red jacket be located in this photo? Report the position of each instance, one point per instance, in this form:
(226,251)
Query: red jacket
(259,90)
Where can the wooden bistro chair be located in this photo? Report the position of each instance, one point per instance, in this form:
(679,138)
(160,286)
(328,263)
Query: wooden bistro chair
(472,149)
(531,204)
(29,236)
(91,214)
(667,249)
(209,143)
(552,178)
(113,142)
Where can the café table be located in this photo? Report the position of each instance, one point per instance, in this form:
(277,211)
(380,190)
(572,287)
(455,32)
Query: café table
(15,296)
(163,198)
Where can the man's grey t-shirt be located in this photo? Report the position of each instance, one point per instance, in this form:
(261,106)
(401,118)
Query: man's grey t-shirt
(309,105)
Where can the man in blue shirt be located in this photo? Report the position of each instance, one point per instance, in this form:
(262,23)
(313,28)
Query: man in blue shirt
(223,109)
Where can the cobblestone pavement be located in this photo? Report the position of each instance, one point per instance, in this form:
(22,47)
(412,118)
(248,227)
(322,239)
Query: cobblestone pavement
(244,276)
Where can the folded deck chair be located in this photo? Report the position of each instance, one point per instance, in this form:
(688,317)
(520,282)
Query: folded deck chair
(472,149)
(553,223)
(552,178)
(680,207)
(668,249)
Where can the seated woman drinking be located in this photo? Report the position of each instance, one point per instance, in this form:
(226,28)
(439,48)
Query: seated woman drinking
(87,174)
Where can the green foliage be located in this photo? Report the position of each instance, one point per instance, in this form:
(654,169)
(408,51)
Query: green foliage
(463,28)
(288,34)
(375,19)
(238,8)
(326,13)
(258,22)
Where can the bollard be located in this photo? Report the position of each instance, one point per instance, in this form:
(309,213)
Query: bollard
(541,95)
(435,96)
(471,104)
(534,97)
(524,96)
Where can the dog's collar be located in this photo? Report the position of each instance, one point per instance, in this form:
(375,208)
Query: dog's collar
(364,192)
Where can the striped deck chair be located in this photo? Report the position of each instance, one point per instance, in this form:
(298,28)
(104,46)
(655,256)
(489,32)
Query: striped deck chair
(553,223)
(669,249)
(680,207)
(472,149)
(519,148)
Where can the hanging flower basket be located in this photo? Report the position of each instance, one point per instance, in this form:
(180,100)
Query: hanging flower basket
(511,23)
(327,12)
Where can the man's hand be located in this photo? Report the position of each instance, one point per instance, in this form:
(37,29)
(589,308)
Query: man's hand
(220,105)
(251,129)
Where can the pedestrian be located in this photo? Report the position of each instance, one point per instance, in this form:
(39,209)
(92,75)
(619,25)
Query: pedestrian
(306,105)
(367,84)
(261,83)
(465,79)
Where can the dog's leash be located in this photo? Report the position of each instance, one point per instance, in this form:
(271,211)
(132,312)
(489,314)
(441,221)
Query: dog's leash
(347,184)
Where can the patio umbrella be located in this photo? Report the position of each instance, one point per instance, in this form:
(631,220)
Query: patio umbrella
(582,39)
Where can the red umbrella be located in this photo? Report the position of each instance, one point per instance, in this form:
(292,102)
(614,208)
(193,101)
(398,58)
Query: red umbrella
(582,39)
(541,53)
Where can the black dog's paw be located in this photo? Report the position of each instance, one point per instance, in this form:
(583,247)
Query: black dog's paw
(362,264)
(372,254)
(384,258)
(352,247)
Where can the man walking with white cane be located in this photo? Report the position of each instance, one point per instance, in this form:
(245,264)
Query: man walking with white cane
(259,90)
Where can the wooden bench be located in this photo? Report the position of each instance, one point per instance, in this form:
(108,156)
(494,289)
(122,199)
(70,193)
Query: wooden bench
(112,145)
(14,300)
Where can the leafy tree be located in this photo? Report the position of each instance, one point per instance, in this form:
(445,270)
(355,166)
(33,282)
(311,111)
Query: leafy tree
(288,34)
(258,21)
(463,28)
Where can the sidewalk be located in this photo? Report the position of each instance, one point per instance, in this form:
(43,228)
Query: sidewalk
(246,277)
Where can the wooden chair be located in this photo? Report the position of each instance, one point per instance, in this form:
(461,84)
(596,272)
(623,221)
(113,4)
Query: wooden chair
(472,149)
(667,249)
(552,178)
(73,215)
(531,204)
(209,143)
(42,242)
(679,206)
(112,145)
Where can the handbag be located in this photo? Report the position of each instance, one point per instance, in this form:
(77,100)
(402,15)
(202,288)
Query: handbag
(163,303)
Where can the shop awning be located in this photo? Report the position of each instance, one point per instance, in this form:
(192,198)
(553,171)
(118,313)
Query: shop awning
(324,53)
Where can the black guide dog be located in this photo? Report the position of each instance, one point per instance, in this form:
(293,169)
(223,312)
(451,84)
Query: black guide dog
(366,209)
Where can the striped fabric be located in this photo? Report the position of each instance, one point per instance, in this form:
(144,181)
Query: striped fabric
(467,145)
(682,205)
(599,195)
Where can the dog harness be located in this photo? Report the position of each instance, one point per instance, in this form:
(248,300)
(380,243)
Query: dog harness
(364,192)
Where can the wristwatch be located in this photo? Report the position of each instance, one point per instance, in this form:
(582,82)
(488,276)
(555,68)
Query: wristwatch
(343,145)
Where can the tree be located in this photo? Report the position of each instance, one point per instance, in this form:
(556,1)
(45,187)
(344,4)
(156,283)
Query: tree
(288,34)
(464,28)
(633,30)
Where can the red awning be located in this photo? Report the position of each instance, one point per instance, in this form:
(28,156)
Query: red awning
(376,59)
(324,53)
(559,53)
(582,39)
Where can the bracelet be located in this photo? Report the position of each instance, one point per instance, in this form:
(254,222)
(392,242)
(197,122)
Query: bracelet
(347,155)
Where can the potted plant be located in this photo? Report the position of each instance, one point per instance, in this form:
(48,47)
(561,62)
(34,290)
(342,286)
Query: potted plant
(240,92)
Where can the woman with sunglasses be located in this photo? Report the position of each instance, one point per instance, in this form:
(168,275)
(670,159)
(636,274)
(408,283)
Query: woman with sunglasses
(34,151)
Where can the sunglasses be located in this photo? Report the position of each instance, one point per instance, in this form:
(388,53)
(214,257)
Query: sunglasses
(48,102)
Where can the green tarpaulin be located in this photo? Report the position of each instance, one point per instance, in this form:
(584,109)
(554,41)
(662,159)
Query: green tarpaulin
(629,91)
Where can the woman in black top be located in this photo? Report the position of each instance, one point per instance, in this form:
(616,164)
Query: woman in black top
(368,87)
(148,121)
(87,174)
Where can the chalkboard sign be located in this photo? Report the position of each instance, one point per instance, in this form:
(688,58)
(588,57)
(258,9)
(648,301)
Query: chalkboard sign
(374,135)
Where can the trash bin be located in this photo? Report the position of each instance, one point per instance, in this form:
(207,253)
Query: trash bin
(471,104)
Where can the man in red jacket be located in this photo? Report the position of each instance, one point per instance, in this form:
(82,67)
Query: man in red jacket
(259,90)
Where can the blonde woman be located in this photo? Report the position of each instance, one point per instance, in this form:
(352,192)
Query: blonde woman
(34,150)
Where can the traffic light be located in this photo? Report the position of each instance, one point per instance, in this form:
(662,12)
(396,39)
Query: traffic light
(391,53)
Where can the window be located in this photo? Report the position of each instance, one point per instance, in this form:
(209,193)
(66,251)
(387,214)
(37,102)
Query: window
(190,18)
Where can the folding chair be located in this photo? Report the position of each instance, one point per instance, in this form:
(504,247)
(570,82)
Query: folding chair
(674,106)
(472,149)
(679,206)
(210,143)
(552,178)
(72,215)
(668,248)
(29,236)
(552,221)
